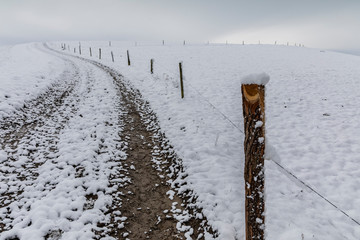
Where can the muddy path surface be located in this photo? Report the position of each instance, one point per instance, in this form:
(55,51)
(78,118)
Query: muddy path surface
(88,160)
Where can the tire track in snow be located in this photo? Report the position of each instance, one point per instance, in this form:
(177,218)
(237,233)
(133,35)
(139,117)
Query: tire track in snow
(29,137)
(151,165)
(106,174)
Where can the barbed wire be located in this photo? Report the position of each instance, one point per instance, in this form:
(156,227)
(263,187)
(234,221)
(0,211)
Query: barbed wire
(272,160)
(306,185)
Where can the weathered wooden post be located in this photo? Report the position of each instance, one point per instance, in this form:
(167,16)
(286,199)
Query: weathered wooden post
(99,53)
(152,66)
(181,80)
(253,96)
(112,56)
(128,57)
(90,52)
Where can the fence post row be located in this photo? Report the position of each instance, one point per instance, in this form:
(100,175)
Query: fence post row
(181,80)
(254,148)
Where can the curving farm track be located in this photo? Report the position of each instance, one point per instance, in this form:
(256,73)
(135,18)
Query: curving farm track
(86,159)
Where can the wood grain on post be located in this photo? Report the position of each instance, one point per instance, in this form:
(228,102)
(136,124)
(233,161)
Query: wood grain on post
(181,80)
(254,148)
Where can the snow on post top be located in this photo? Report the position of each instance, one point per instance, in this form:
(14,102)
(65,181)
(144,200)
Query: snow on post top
(259,79)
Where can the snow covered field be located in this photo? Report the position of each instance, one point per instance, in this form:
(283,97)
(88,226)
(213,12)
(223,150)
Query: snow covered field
(312,125)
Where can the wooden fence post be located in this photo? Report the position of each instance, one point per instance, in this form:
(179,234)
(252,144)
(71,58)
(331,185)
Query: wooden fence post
(112,56)
(181,80)
(253,94)
(128,57)
(152,66)
(99,53)
(80,49)
(90,52)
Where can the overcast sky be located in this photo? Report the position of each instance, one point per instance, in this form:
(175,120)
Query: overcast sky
(315,23)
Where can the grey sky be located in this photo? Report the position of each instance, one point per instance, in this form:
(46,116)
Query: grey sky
(315,23)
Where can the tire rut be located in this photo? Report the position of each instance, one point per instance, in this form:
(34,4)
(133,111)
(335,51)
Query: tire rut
(29,136)
(152,208)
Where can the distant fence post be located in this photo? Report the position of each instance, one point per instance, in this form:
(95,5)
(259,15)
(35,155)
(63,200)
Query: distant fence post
(181,80)
(109,43)
(112,56)
(253,95)
(99,53)
(152,66)
(80,49)
(128,57)
(90,52)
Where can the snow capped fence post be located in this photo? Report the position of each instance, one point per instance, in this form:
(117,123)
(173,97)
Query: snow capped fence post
(152,66)
(128,57)
(181,80)
(253,94)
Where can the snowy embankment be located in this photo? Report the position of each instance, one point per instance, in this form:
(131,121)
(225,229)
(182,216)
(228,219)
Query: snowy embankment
(312,125)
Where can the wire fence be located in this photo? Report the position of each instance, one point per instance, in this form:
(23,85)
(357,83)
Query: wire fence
(288,172)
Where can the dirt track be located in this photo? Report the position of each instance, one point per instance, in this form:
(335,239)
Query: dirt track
(141,207)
